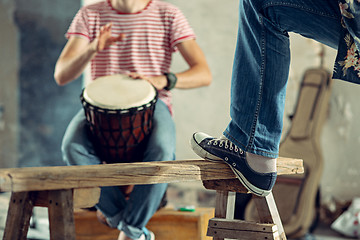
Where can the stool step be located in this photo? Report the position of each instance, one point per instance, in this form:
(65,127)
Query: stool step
(239,229)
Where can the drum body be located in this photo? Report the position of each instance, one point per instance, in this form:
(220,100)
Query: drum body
(119,111)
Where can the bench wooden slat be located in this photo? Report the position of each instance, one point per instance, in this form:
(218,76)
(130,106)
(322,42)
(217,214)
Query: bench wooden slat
(69,177)
(82,197)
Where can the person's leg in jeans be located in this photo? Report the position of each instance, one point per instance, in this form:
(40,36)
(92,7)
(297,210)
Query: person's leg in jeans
(129,216)
(258,87)
(77,149)
(132,216)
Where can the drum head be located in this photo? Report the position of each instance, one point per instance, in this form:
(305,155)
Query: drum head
(119,92)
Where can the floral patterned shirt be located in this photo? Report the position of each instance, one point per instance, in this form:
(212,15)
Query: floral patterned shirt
(347,64)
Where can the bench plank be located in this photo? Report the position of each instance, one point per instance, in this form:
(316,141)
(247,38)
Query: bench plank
(70,177)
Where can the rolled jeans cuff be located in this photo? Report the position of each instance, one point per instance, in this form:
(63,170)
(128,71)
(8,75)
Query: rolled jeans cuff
(114,221)
(130,231)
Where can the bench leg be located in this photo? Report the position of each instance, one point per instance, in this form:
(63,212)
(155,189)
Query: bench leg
(225,205)
(61,215)
(19,213)
(268,212)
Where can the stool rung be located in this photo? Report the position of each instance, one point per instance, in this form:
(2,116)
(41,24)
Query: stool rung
(243,235)
(239,229)
(242,225)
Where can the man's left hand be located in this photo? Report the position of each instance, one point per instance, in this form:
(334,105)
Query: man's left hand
(159,82)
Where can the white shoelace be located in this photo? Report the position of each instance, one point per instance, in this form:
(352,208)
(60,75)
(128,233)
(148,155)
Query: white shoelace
(226,143)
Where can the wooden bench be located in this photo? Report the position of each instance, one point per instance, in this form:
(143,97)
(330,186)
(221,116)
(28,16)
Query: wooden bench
(57,189)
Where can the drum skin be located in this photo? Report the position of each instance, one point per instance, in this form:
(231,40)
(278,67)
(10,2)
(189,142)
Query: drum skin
(119,135)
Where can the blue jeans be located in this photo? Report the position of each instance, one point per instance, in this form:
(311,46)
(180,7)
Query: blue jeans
(132,215)
(261,65)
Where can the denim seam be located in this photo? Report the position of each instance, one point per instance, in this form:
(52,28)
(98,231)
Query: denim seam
(239,144)
(286,4)
(258,104)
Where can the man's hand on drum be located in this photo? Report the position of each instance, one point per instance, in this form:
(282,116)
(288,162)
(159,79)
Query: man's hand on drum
(159,82)
(105,39)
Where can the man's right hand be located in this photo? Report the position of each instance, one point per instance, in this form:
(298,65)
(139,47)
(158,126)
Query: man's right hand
(77,53)
(105,39)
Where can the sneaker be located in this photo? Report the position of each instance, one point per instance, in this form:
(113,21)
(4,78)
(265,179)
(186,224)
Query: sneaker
(147,235)
(222,149)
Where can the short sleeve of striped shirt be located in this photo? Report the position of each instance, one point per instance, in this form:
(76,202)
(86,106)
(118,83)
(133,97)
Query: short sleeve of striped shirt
(181,29)
(79,26)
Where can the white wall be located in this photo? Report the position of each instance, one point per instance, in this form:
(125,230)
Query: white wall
(207,109)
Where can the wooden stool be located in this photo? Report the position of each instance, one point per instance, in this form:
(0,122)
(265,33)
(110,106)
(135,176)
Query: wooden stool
(60,204)
(57,187)
(225,226)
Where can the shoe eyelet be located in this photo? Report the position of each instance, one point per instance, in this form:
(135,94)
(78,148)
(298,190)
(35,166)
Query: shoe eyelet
(226,146)
(226,158)
(215,143)
(209,143)
(236,150)
(234,164)
(220,145)
(231,148)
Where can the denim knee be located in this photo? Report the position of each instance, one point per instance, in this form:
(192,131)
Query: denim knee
(254,10)
(159,152)
(77,148)
(255,4)
(67,150)
(162,142)
(72,152)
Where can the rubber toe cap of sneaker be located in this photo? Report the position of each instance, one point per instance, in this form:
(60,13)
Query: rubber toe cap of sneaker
(199,136)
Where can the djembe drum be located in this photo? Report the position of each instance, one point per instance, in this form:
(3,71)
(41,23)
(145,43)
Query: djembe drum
(119,111)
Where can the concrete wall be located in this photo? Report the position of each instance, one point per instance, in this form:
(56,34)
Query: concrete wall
(45,108)
(9,85)
(42,123)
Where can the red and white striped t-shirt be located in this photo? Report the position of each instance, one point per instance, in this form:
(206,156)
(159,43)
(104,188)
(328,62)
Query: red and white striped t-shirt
(151,37)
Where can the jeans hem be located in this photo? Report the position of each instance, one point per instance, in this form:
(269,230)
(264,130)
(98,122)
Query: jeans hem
(130,231)
(257,151)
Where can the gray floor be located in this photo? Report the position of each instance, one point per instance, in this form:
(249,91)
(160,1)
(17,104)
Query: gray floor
(40,227)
